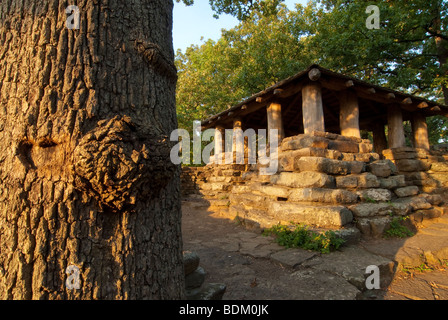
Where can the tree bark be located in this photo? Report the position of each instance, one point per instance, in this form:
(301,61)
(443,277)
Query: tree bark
(85,174)
(441,46)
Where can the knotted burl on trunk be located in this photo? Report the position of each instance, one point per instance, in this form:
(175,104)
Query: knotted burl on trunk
(120,164)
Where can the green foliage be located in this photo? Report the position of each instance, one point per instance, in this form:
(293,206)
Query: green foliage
(245,60)
(420,269)
(241,9)
(437,129)
(370,200)
(408,52)
(301,236)
(397,230)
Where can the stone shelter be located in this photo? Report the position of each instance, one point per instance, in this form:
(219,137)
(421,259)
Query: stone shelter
(329,175)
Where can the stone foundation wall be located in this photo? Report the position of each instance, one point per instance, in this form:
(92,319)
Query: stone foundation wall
(329,181)
(190,179)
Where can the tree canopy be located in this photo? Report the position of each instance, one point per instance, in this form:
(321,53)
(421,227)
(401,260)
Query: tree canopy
(408,51)
(257,53)
(240,9)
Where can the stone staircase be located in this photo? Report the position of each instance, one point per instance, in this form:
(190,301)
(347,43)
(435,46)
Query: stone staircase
(327,181)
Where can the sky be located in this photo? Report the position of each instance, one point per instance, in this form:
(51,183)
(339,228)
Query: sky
(193,22)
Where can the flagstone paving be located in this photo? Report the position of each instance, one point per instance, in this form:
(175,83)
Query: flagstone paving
(253,266)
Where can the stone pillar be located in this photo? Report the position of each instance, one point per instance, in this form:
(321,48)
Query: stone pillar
(238,140)
(219,144)
(312,108)
(395,127)
(420,131)
(349,114)
(274,113)
(379,138)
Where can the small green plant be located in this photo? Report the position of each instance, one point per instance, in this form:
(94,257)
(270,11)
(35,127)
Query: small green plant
(397,230)
(370,200)
(444,262)
(300,236)
(424,267)
(421,268)
(238,221)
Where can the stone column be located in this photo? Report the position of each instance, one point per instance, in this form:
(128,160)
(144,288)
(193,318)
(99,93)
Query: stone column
(219,144)
(395,127)
(312,108)
(379,138)
(274,113)
(349,114)
(238,140)
(420,131)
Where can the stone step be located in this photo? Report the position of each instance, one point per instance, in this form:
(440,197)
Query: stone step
(268,212)
(322,195)
(311,215)
(397,207)
(351,262)
(424,217)
(195,279)
(249,200)
(251,218)
(306,179)
(287,159)
(327,141)
(215,186)
(195,275)
(222,203)
(329,166)
(374,218)
(213,194)
(191,261)
(261,219)
(209,291)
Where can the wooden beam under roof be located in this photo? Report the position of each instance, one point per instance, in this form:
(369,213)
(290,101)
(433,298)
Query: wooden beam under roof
(334,82)
(380,95)
(289,90)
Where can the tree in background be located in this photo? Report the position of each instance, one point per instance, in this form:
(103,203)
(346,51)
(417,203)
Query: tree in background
(241,9)
(408,52)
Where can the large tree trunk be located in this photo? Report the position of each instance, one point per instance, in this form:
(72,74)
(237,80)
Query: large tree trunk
(85,174)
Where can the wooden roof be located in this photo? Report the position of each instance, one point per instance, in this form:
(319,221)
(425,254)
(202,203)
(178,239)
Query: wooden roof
(373,103)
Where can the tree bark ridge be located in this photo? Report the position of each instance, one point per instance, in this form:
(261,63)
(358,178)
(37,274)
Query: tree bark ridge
(85,176)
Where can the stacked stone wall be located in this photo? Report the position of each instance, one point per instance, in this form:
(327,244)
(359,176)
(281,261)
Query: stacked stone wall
(329,181)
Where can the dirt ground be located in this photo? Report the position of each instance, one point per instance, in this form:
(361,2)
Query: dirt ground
(252,268)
